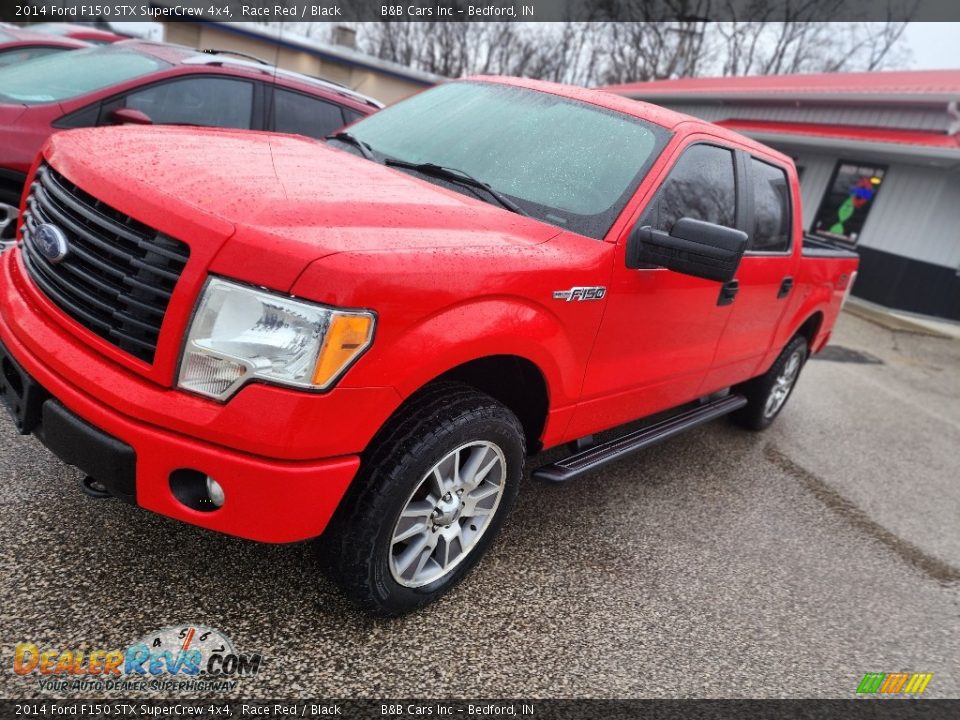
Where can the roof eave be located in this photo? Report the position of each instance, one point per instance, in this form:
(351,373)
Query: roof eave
(793,97)
(941,156)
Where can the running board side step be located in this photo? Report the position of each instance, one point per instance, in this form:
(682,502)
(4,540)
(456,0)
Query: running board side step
(585,461)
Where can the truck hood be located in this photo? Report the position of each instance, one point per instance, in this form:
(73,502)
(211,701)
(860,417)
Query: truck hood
(295,198)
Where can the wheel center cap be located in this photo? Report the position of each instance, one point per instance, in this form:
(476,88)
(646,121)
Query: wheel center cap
(447,510)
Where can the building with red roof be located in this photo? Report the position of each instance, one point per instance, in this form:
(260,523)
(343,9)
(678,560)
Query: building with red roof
(889,139)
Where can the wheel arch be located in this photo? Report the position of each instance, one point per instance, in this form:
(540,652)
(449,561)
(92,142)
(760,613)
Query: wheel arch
(515,381)
(810,328)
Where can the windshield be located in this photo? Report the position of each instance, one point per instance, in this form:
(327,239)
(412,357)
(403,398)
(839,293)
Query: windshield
(69,75)
(562,161)
(5,37)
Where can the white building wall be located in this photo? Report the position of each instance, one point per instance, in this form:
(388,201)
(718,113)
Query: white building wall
(917,214)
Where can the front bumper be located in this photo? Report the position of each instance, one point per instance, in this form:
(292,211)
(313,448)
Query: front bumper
(268,499)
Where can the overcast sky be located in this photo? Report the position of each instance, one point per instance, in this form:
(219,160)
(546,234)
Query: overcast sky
(934,45)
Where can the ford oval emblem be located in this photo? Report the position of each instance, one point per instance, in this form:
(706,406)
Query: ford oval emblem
(51,242)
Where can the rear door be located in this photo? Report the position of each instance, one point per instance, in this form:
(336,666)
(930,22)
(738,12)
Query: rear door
(764,284)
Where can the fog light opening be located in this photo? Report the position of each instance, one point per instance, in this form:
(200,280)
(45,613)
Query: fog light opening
(197,490)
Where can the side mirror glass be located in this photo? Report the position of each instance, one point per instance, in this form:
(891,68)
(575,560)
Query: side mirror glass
(692,247)
(129,116)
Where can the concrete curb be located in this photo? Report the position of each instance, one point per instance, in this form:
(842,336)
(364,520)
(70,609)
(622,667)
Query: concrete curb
(891,321)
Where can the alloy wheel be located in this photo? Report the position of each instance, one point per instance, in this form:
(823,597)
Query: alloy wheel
(783,384)
(447,513)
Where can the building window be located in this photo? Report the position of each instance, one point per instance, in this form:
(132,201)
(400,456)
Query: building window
(848,200)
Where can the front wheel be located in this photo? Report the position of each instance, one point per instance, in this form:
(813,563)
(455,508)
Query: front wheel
(431,495)
(767,394)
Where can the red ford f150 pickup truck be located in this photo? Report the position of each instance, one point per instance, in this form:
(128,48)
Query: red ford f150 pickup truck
(365,340)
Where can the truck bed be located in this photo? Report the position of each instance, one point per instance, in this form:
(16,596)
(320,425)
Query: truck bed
(817,247)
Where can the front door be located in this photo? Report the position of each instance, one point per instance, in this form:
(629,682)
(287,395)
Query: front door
(660,328)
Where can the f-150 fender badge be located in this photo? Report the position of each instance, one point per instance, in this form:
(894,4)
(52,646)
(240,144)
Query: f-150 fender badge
(580,293)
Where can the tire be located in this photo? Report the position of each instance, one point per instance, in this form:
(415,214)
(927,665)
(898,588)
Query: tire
(768,394)
(370,551)
(8,226)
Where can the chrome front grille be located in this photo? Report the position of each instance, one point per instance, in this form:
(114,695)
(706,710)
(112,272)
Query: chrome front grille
(117,275)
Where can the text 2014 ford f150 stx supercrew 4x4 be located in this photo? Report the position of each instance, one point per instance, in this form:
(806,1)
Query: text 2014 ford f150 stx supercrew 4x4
(363,340)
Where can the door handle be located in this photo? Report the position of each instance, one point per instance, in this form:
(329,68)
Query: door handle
(728,291)
(785,287)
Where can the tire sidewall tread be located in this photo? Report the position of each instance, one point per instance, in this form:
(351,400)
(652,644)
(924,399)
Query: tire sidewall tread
(443,416)
(756,391)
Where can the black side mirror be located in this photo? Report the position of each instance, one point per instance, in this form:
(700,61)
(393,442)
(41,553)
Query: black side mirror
(692,247)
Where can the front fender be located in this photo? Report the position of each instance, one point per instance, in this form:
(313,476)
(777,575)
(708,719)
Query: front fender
(484,327)
(440,311)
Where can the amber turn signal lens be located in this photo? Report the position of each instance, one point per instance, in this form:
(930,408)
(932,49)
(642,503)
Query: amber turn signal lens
(347,336)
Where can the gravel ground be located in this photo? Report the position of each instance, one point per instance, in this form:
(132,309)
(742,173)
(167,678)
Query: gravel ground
(721,564)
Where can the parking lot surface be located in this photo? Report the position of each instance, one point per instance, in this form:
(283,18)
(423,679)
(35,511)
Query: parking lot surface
(721,563)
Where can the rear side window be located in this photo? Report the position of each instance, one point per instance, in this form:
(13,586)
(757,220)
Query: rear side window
(700,186)
(352,116)
(771,208)
(205,101)
(304,115)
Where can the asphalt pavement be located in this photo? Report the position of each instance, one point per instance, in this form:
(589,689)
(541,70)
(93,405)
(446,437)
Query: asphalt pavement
(721,563)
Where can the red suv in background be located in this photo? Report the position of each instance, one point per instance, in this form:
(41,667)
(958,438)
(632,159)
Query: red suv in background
(78,31)
(17,46)
(144,82)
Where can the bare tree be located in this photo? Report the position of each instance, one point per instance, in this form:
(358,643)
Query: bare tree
(562,52)
(655,51)
(609,52)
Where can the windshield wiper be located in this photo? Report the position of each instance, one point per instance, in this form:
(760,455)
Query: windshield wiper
(346,137)
(458,176)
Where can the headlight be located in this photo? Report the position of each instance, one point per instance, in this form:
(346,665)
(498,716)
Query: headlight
(240,334)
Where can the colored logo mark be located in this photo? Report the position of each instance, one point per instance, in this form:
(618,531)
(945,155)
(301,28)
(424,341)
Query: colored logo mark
(894,683)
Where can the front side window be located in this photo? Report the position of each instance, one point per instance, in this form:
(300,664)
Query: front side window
(701,186)
(847,204)
(204,101)
(302,115)
(565,162)
(67,75)
(771,208)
